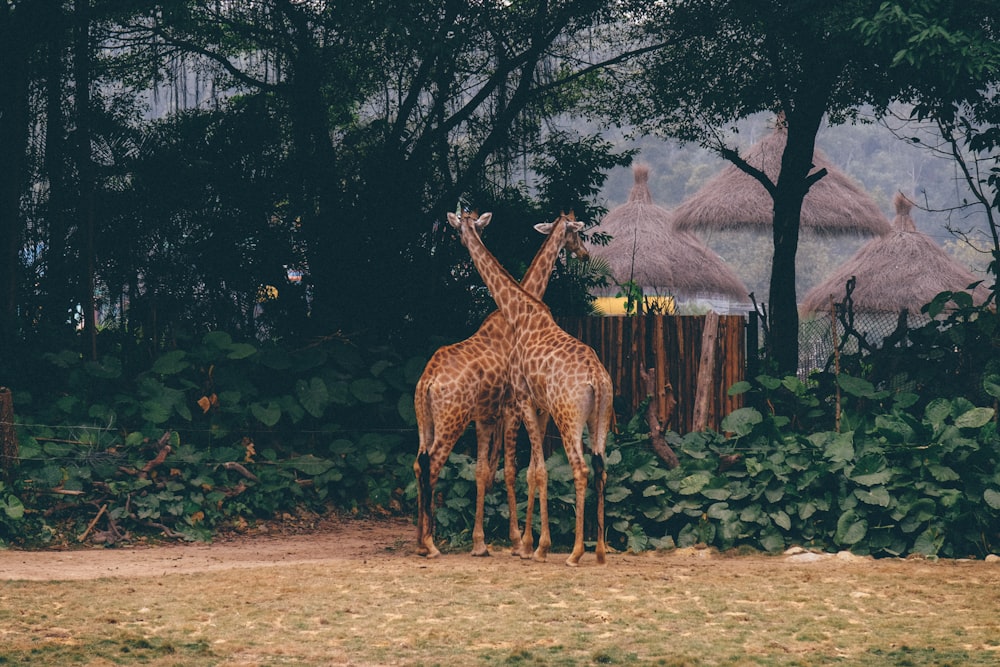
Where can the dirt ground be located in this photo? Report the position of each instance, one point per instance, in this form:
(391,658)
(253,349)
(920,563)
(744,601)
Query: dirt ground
(296,540)
(333,538)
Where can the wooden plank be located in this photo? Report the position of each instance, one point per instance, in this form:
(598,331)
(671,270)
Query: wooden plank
(706,382)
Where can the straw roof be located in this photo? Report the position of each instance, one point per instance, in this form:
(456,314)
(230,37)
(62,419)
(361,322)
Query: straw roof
(646,249)
(732,199)
(904,269)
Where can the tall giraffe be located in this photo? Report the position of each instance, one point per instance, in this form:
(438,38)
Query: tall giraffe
(467,382)
(552,375)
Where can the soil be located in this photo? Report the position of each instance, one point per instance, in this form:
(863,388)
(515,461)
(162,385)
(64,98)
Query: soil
(286,542)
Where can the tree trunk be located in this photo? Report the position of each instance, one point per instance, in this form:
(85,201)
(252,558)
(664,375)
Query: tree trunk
(17,34)
(791,188)
(85,211)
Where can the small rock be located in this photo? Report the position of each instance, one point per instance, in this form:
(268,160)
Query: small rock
(992,558)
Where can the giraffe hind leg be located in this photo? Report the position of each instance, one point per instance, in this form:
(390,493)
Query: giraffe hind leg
(425,506)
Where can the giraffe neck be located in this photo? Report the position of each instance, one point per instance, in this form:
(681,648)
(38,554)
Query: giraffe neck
(536,278)
(514,302)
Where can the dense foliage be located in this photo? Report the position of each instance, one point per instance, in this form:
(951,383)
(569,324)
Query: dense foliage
(898,453)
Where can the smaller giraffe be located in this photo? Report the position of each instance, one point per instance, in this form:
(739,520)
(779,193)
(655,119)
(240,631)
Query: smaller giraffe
(467,382)
(552,375)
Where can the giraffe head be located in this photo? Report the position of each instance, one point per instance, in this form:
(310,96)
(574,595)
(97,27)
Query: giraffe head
(467,222)
(570,227)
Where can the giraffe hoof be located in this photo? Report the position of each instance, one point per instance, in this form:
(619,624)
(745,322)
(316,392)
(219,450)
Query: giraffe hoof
(480,553)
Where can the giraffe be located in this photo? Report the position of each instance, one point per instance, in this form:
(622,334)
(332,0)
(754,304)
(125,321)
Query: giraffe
(552,375)
(467,382)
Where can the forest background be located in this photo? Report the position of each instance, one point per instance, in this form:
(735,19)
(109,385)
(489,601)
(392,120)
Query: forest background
(218,311)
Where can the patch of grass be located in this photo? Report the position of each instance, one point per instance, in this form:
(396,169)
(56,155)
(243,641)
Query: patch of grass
(673,609)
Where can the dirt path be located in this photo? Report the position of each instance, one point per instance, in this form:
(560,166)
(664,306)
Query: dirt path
(332,539)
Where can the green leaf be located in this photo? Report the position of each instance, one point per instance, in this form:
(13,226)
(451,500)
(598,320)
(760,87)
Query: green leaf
(871,470)
(694,483)
(267,414)
(878,496)
(741,421)
(241,351)
(171,363)
(156,411)
(929,542)
(851,528)
(740,387)
(404,406)
(975,418)
(991,384)
(937,411)
(313,395)
(781,519)
(13,507)
(217,339)
(308,464)
(616,494)
(856,386)
(839,447)
(367,390)
(943,473)
(992,498)
(771,540)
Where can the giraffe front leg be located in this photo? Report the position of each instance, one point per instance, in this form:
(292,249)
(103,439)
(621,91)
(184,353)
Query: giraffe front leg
(527,539)
(544,538)
(484,473)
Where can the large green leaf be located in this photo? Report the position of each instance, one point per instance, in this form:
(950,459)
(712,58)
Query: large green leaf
(974,418)
(991,385)
(404,406)
(694,483)
(313,395)
(741,421)
(12,507)
(992,498)
(171,363)
(870,470)
(241,351)
(878,496)
(267,413)
(309,464)
(851,528)
(856,386)
(367,390)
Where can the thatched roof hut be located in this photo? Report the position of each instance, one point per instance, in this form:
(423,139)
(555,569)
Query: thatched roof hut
(648,251)
(903,270)
(732,199)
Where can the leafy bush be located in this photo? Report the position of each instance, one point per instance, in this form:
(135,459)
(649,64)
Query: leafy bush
(880,460)
(891,485)
(219,431)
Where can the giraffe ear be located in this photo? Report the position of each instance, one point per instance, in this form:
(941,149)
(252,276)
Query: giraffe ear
(454,220)
(574,225)
(483,220)
(544,227)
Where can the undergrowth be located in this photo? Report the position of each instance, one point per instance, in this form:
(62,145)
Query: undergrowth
(897,453)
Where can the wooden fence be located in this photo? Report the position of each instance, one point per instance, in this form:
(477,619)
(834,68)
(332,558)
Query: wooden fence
(672,348)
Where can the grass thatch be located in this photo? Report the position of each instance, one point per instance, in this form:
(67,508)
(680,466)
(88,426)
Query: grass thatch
(647,250)
(904,269)
(732,199)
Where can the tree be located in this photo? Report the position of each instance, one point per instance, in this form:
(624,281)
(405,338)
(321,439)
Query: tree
(948,55)
(725,60)
(397,110)
(22,34)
